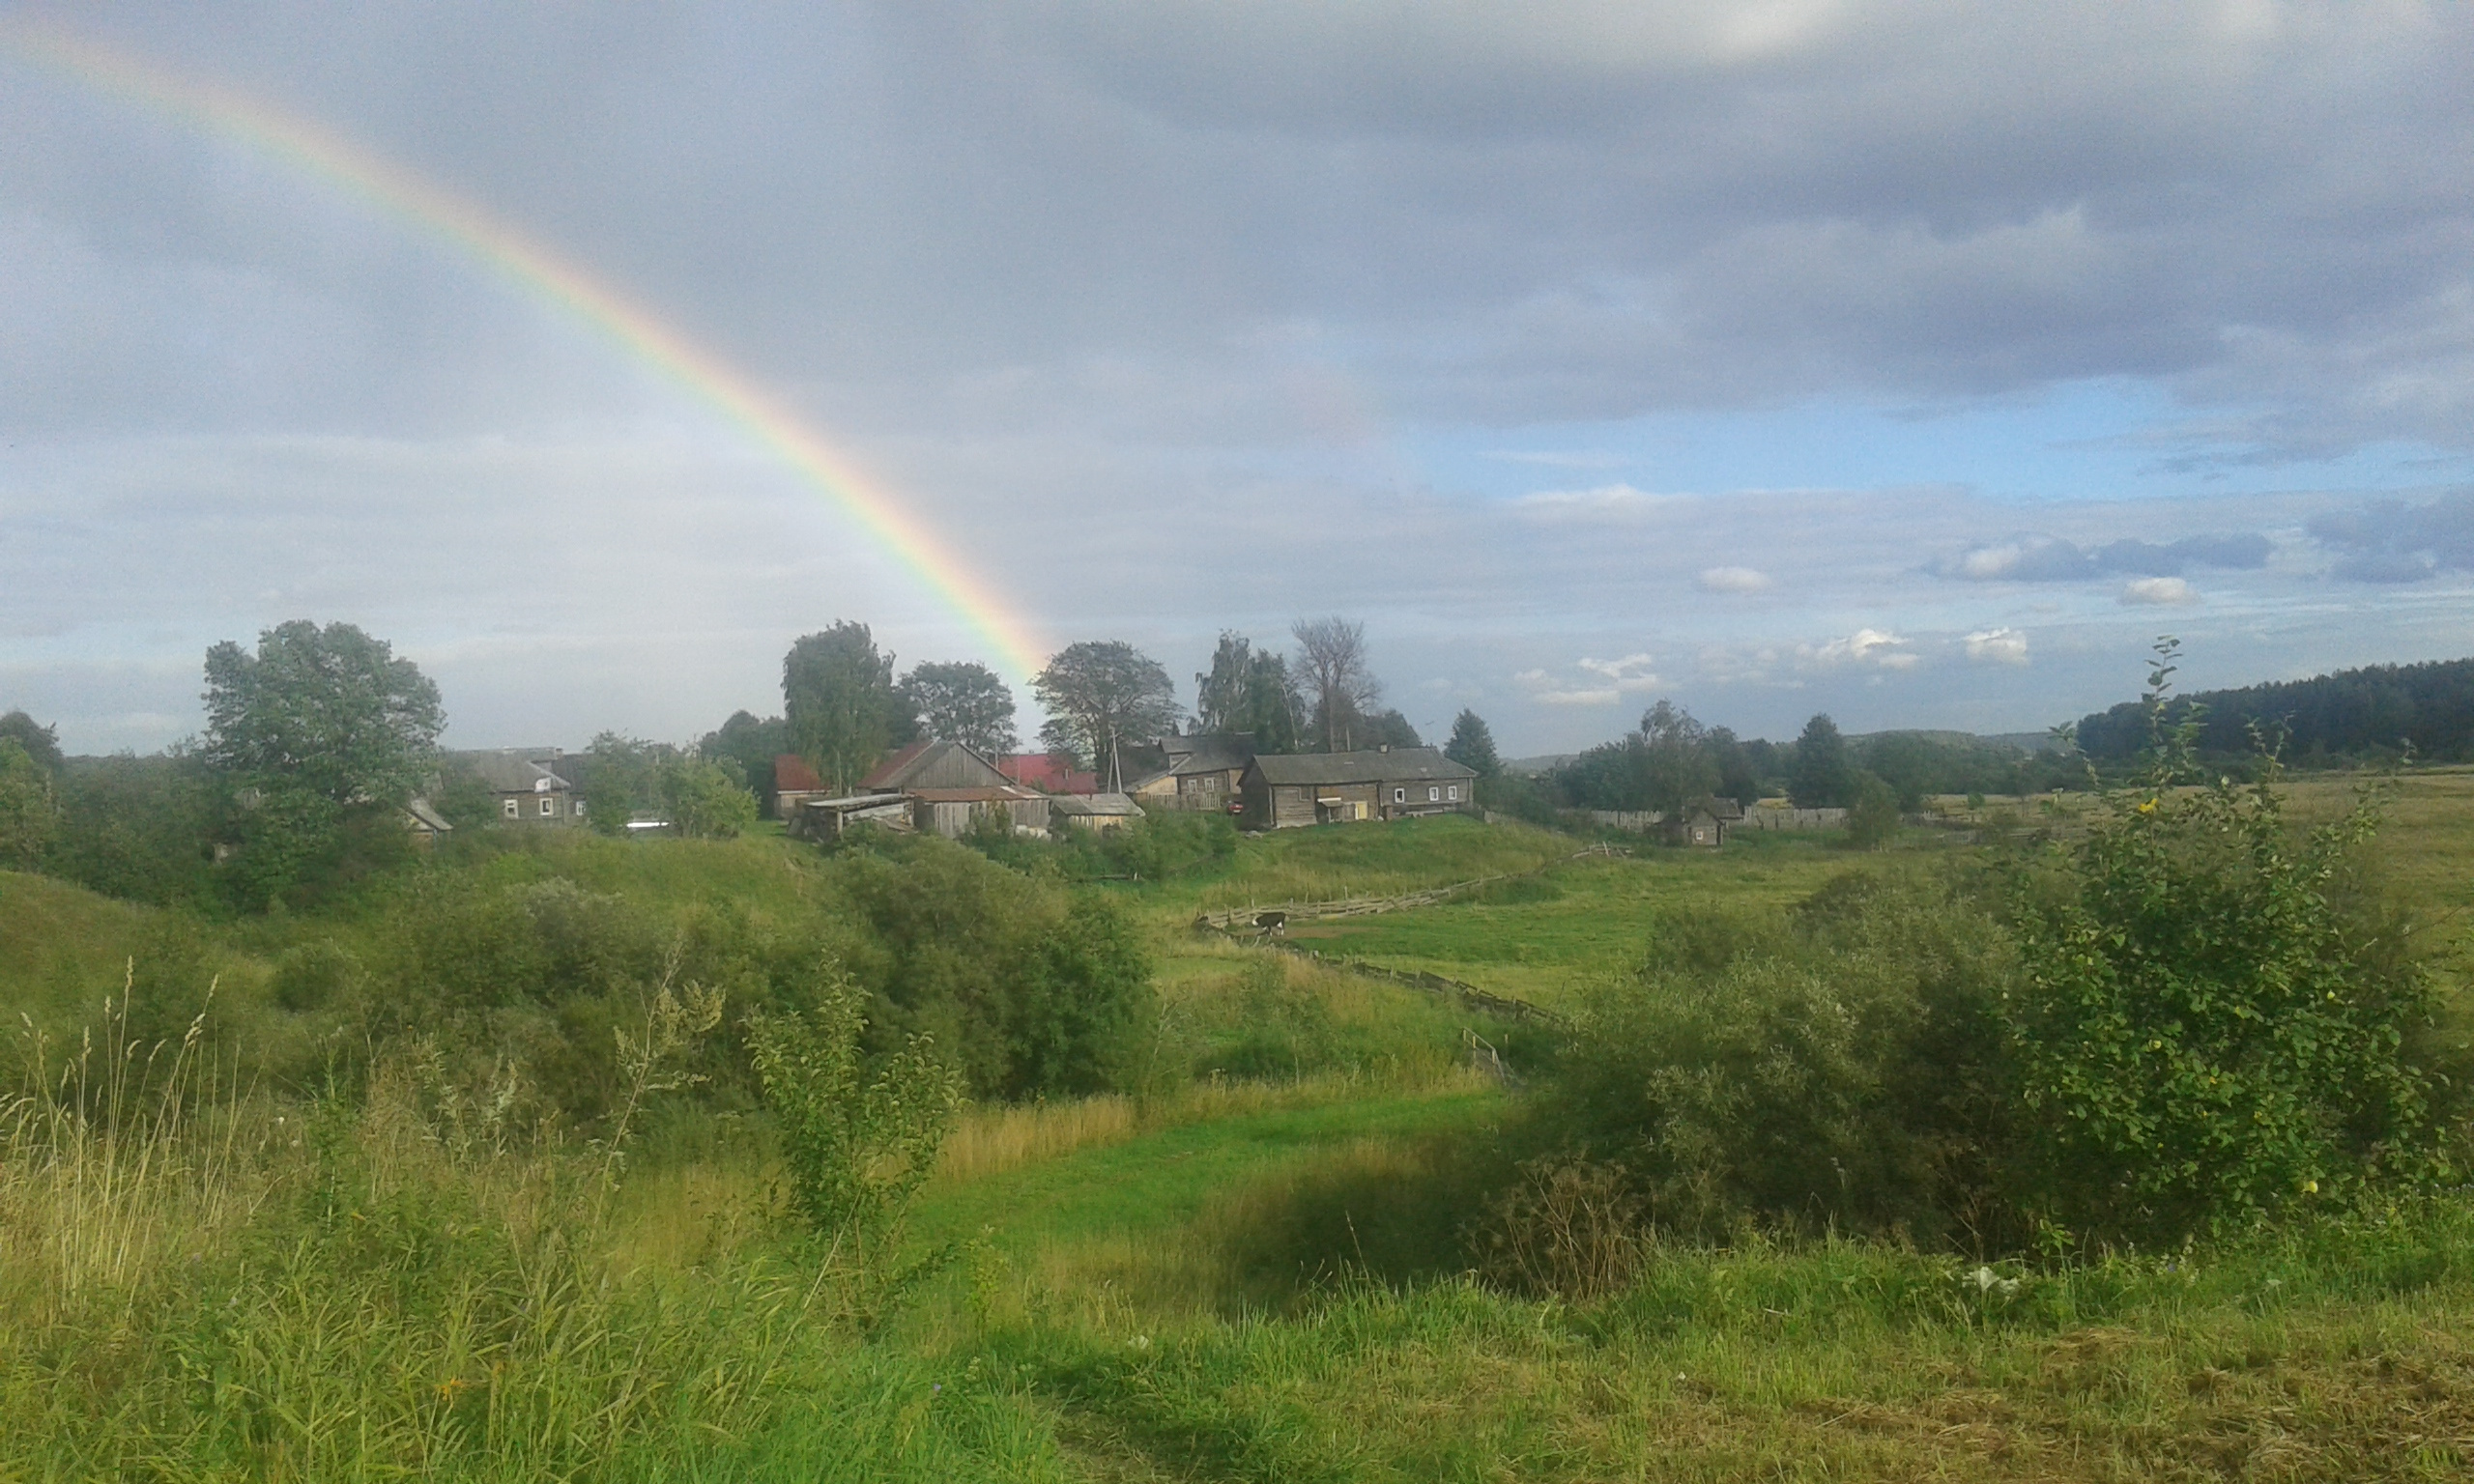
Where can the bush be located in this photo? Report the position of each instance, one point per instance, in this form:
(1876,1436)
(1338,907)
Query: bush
(1031,987)
(2189,1020)
(1842,1069)
(2204,1038)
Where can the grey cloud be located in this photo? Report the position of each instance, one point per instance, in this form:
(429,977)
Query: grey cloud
(2052,560)
(2390,541)
(1591,211)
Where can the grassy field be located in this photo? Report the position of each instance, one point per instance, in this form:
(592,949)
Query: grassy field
(1250,1271)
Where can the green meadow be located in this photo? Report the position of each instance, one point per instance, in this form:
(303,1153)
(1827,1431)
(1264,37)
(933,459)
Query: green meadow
(262,1251)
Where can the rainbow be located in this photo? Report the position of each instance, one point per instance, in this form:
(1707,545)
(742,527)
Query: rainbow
(544,274)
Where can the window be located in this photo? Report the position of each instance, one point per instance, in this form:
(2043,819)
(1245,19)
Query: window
(508,807)
(1399,795)
(548,805)
(1452,794)
(1433,794)
(576,808)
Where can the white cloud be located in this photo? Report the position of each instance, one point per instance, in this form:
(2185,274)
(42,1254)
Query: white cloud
(1988,562)
(1577,698)
(2158,590)
(1608,501)
(1998,647)
(1734,580)
(1866,647)
(1628,673)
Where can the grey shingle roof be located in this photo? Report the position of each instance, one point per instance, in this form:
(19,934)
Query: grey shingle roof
(1399,765)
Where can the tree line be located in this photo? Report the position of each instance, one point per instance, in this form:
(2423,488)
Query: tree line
(2376,713)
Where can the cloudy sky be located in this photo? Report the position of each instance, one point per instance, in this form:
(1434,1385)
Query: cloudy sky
(1915,363)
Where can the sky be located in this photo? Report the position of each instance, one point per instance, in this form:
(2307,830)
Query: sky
(1919,363)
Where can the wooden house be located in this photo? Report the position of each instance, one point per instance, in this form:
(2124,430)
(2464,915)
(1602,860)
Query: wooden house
(1201,771)
(530,785)
(1283,790)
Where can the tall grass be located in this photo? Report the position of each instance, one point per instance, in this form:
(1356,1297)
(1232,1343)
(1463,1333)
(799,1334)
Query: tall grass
(208,1285)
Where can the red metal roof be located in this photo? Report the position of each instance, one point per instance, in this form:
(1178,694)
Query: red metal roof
(1049,773)
(792,775)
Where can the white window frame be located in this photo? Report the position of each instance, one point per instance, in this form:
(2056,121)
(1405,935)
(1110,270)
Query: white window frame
(1399,795)
(1453,792)
(549,806)
(1434,795)
(511,808)
(575,807)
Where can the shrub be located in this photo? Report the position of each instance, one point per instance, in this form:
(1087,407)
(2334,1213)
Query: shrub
(856,1146)
(2203,1034)
(1031,987)
(1842,1068)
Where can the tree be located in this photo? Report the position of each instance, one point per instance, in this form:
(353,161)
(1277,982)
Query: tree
(29,814)
(41,743)
(318,739)
(751,745)
(1250,691)
(839,698)
(963,703)
(1822,776)
(1873,819)
(1472,745)
(703,799)
(1331,659)
(1675,768)
(1101,695)
(326,715)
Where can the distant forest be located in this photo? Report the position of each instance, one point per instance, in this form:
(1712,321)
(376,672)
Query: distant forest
(2373,713)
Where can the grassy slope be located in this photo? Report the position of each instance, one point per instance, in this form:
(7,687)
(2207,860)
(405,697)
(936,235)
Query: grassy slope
(1094,1341)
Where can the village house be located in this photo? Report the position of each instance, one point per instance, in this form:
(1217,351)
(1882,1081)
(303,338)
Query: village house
(1201,771)
(942,786)
(529,785)
(1283,790)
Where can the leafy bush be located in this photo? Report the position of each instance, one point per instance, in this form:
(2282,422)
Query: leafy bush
(1032,988)
(2188,1020)
(2204,1035)
(1841,1068)
(857,1146)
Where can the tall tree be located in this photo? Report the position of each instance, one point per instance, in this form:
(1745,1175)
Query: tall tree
(1332,667)
(1472,745)
(751,745)
(1676,765)
(1248,690)
(41,743)
(839,701)
(29,813)
(326,714)
(1390,728)
(1823,776)
(1101,696)
(319,737)
(963,703)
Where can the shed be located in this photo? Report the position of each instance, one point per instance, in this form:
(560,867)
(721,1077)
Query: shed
(937,764)
(1704,822)
(1098,812)
(954,812)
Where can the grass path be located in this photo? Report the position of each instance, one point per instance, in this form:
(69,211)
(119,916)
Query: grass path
(1165,1179)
